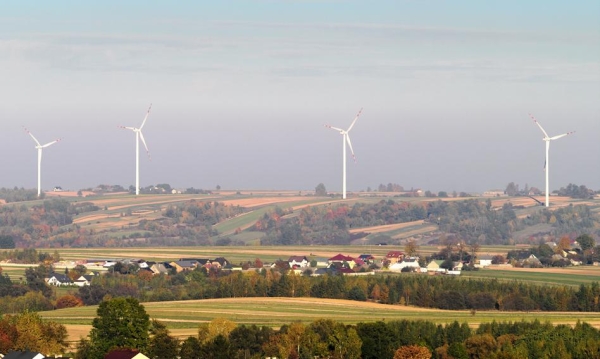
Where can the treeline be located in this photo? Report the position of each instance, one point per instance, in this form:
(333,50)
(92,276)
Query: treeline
(575,191)
(19,194)
(326,338)
(423,291)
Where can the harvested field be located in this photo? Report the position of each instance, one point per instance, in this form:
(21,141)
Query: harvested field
(387,227)
(183,317)
(260,201)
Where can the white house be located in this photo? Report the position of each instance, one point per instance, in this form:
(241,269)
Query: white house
(412,262)
(84,280)
(483,261)
(298,261)
(59,280)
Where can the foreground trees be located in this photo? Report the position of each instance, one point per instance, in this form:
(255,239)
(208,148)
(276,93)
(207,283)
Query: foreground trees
(404,339)
(27,331)
(121,323)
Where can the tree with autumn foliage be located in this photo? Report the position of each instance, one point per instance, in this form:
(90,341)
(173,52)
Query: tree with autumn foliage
(68,301)
(412,352)
(27,331)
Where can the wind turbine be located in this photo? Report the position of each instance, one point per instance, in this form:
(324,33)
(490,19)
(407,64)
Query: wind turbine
(39,148)
(547,139)
(138,135)
(345,139)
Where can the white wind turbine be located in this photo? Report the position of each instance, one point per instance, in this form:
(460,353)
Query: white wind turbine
(138,135)
(39,148)
(547,139)
(345,139)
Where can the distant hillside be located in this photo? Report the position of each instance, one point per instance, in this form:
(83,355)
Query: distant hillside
(287,218)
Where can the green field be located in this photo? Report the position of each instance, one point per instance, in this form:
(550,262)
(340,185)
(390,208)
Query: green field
(274,312)
(570,276)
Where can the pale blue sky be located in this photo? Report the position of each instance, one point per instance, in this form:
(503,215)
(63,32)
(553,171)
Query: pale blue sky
(241,91)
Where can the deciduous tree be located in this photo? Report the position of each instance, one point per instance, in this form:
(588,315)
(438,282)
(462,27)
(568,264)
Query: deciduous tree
(412,352)
(120,323)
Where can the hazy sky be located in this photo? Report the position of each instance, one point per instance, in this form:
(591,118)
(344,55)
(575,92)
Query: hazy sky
(241,91)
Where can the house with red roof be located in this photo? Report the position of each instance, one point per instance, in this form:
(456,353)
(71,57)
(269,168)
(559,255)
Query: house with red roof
(394,256)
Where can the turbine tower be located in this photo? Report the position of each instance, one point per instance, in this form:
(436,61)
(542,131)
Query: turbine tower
(547,139)
(345,139)
(40,148)
(138,135)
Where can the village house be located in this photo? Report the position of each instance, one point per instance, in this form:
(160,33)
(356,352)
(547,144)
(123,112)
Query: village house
(367,258)
(394,256)
(435,266)
(412,262)
(160,268)
(84,280)
(23,355)
(347,260)
(59,280)
(483,261)
(298,261)
(181,266)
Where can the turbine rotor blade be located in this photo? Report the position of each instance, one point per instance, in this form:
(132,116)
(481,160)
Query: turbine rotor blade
(50,143)
(335,128)
(146,146)
(540,126)
(145,118)
(350,145)
(560,136)
(355,118)
(32,136)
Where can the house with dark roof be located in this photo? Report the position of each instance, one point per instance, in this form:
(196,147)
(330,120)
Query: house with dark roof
(367,258)
(24,355)
(125,354)
(181,266)
(58,280)
(84,280)
(220,262)
(161,268)
(200,261)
